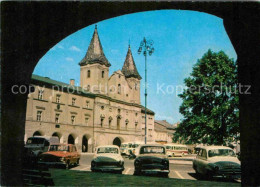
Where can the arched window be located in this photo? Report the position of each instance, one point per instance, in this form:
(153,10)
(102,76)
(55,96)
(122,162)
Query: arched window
(88,73)
(103,74)
(119,88)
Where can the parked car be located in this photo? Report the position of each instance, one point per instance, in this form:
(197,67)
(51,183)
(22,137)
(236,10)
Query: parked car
(217,161)
(151,159)
(37,145)
(64,155)
(108,158)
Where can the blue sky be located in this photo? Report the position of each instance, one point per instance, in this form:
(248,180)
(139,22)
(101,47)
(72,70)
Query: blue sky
(180,39)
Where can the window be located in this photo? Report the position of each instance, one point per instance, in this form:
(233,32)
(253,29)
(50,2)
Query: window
(72,120)
(57,98)
(119,89)
(135,86)
(103,74)
(88,74)
(118,123)
(126,123)
(136,125)
(150,132)
(39,115)
(88,88)
(57,116)
(109,122)
(86,120)
(101,122)
(40,94)
(118,111)
(87,104)
(102,107)
(73,101)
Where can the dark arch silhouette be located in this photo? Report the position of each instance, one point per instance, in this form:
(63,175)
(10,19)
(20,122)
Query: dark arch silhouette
(71,139)
(84,144)
(117,142)
(56,134)
(37,133)
(241,21)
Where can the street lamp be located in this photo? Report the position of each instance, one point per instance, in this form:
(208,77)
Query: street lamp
(147,47)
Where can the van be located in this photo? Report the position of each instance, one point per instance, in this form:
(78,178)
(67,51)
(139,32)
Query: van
(37,145)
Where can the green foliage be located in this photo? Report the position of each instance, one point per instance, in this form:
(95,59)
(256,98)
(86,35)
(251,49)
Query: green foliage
(210,101)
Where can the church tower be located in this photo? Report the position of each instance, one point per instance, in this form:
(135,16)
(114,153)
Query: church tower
(132,76)
(94,67)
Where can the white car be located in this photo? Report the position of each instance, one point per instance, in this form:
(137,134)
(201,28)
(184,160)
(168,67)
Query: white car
(217,161)
(108,158)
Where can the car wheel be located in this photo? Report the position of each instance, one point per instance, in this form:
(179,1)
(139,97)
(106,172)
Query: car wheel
(137,172)
(165,175)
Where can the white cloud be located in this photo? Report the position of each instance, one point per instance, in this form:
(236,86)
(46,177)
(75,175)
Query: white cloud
(60,46)
(74,48)
(70,59)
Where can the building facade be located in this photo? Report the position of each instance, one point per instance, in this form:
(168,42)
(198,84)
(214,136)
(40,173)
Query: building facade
(102,110)
(163,131)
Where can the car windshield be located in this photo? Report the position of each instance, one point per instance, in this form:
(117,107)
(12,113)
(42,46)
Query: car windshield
(59,148)
(107,150)
(35,140)
(221,152)
(152,150)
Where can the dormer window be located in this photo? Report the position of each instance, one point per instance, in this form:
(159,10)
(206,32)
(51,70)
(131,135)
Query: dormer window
(88,74)
(87,104)
(40,94)
(57,98)
(73,101)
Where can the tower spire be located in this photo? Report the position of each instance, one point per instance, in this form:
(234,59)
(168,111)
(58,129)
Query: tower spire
(95,53)
(129,69)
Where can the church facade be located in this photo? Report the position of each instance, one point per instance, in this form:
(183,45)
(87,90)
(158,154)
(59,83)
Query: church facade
(103,110)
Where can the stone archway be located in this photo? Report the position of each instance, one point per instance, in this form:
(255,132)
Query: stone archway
(239,21)
(71,139)
(37,133)
(117,142)
(84,144)
(56,134)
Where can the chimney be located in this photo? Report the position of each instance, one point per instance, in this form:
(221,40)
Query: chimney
(72,82)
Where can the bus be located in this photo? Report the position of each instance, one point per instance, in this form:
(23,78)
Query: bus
(176,150)
(124,148)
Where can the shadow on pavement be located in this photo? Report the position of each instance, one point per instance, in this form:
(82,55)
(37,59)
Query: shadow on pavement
(215,179)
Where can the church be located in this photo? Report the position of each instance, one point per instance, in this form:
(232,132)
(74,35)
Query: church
(103,110)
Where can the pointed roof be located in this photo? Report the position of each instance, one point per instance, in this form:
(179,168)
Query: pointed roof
(129,68)
(95,52)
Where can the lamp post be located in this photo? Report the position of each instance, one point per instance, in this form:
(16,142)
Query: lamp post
(147,47)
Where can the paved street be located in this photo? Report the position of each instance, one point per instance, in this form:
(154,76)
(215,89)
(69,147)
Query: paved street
(180,168)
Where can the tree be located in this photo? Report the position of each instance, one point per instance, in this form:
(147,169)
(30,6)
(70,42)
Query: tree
(210,101)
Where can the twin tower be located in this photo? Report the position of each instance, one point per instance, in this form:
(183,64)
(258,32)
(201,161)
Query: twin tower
(94,74)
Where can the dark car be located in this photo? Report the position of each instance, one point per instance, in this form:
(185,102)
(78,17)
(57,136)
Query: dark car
(151,159)
(37,145)
(60,155)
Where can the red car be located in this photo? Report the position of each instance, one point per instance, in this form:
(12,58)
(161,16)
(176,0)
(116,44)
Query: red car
(60,155)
